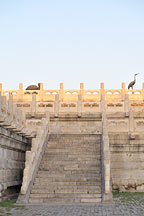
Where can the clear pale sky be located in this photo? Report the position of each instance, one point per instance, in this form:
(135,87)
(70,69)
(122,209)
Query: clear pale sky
(53,41)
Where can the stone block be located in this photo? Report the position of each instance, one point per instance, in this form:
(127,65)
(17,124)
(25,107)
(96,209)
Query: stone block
(91,200)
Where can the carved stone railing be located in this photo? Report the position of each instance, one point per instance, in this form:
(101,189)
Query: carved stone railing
(33,158)
(13,118)
(105,156)
(44,95)
(79,101)
(75,101)
(15,140)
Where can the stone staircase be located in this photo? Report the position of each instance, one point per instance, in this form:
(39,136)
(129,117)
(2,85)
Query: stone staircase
(70,170)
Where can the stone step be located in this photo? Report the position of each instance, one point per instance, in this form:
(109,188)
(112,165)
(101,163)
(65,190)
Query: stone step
(63,156)
(69,164)
(74,136)
(62,168)
(70,153)
(52,187)
(83,167)
(74,142)
(64,175)
(65,195)
(67,144)
(62,179)
(79,172)
(75,172)
(94,176)
(69,171)
(64,200)
(73,145)
(70,158)
(74,139)
(64,191)
(77,151)
(60,183)
(77,137)
(68,161)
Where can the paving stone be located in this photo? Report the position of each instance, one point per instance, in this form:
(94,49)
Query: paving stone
(117,208)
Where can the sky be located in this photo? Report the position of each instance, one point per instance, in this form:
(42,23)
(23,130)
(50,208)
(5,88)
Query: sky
(89,41)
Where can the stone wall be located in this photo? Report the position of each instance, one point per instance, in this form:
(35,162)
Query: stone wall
(12,158)
(127,161)
(67,123)
(76,125)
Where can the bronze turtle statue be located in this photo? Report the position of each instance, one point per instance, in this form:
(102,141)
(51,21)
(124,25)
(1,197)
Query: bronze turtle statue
(33,87)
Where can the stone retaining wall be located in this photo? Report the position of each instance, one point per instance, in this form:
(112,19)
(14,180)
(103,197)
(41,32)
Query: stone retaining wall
(12,158)
(127,161)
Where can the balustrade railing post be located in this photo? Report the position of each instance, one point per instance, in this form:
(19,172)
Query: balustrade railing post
(33,105)
(126,105)
(56,105)
(82,90)
(41,94)
(123,91)
(15,117)
(102,103)
(143,91)
(102,88)
(1,88)
(1,114)
(20,93)
(4,105)
(41,86)
(61,93)
(79,105)
(10,108)
(131,121)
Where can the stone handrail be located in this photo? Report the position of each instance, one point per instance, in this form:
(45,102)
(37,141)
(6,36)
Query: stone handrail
(79,107)
(12,113)
(13,118)
(33,156)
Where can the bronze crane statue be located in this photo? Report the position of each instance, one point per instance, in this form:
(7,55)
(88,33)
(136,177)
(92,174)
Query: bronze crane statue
(33,87)
(131,84)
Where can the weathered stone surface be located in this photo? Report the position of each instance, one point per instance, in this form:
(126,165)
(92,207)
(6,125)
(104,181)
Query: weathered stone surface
(79,113)
(127,162)
(77,179)
(12,154)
